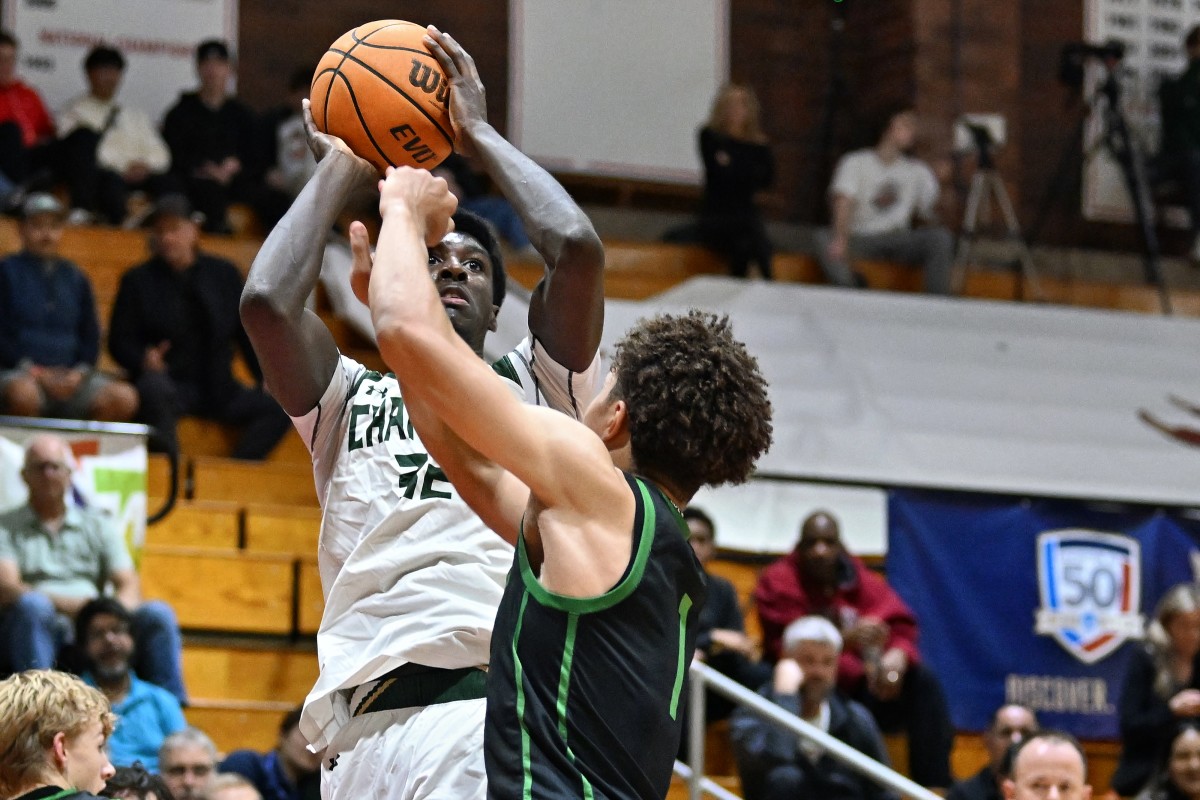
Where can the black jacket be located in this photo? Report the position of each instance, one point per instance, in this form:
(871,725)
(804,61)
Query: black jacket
(1146,722)
(761,745)
(196,311)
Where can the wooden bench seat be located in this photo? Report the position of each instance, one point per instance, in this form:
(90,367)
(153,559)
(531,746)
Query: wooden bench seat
(234,725)
(272,528)
(310,600)
(199,523)
(218,590)
(253,482)
(258,673)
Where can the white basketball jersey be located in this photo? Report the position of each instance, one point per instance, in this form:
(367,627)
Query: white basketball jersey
(408,571)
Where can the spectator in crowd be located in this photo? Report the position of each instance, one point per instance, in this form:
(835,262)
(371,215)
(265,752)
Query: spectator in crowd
(289,772)
(1179,154)
(187,762)
(174,328)
(109,150)
(136,783)
(1048,764)
(1161,686)
(773,765)
(53,729)
(737,166)
(875,195)
(722,642)
(290,162)
(26,127)
(1177,776)
(55,556)
(1010,725)
(49,334)
(880,665)
(232,786)
(470,189)
(146,713)
(213,139)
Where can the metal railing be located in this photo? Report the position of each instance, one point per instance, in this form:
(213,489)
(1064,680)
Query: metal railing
(703,677)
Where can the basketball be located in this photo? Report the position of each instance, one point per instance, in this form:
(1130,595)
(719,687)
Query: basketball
(380,90)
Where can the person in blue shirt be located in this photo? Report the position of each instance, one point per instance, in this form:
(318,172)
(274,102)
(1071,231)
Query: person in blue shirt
(289,772)
(146,714)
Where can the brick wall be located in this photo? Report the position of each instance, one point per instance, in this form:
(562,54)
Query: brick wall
(945,56)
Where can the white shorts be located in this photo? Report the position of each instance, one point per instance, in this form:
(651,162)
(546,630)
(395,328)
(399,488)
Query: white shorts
(431,752)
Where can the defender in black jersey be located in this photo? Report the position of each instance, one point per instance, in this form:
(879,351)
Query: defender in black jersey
(597,625)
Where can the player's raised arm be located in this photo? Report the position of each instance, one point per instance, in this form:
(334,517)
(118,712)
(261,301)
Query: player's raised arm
(566,313)
(561,462)
(295,349)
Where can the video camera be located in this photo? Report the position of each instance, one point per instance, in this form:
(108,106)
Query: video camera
(1075,55)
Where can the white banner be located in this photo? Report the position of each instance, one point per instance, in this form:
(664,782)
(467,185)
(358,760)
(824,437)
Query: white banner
(157,37)
(110,474)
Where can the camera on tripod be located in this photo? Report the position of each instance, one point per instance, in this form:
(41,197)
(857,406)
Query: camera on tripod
(1075,55)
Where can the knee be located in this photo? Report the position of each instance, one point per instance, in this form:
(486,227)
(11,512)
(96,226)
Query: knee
(786,780)
(154,616)
(116,402)
(22,397)
(35,607)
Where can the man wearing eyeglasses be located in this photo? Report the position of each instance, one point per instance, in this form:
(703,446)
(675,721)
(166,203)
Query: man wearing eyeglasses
(55,556)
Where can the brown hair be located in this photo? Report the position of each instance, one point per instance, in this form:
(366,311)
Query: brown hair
(697,402)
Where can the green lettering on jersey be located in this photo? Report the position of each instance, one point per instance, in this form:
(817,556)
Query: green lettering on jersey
(374,434)
(396,419)
(356,411)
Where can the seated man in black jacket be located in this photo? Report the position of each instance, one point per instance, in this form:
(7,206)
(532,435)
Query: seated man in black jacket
(773,765)
(1010,724)
(174,327)
(722,642)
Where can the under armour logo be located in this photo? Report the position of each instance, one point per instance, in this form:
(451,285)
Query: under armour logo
(332,763)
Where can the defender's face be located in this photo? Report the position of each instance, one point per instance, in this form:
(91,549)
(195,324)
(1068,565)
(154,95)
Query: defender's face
(88,767)
(462,273)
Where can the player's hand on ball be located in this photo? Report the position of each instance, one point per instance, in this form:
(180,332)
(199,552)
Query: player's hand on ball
(427,197)
(322,144)
(468,103)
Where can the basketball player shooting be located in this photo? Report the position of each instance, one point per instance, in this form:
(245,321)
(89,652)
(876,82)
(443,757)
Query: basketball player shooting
(597,627)
(411,576)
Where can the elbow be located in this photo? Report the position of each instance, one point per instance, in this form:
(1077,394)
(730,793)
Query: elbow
(581,246)
(259,307)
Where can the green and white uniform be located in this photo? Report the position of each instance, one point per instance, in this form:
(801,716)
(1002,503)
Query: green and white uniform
(409,573)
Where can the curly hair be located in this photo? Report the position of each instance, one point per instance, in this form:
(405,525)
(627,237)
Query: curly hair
(697,402)
(35,706)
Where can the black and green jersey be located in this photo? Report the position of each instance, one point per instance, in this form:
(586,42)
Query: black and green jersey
(585,694)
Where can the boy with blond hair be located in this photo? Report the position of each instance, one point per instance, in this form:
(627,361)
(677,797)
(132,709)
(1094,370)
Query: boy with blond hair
(54,730)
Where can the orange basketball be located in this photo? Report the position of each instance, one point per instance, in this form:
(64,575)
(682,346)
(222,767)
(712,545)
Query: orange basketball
(380,90)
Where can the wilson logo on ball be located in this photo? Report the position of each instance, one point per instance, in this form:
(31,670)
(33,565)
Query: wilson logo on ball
(422,77)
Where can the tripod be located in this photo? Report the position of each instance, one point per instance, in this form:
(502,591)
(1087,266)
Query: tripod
(1117,140)
(985,183)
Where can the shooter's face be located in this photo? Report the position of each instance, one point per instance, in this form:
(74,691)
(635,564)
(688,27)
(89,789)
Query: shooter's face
(462,273)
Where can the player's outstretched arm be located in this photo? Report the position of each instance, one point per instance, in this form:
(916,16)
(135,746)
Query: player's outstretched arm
(566,312)
(562,463)
(295,349)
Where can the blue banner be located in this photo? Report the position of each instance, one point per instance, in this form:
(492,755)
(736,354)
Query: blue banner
(1035,602)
